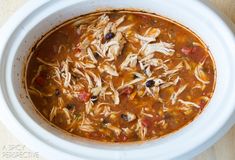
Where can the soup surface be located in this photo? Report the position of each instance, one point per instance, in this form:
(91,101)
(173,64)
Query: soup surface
(120,76)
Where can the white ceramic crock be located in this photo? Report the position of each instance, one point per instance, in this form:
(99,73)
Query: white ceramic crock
(38,17)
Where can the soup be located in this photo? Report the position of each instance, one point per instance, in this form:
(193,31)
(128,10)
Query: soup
(120,76)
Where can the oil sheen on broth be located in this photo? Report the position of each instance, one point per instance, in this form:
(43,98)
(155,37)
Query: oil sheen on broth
(120,76)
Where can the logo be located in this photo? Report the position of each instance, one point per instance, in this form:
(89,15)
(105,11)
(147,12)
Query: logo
(17,152)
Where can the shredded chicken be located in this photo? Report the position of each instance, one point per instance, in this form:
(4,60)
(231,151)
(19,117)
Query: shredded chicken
(66,112)
(37,92)
(37,74)
(116,49)
(188,103)
(116,130)
(145,114)
(115,94)
(177,93)
(161,47)
(53,113)
(200,74)
(90,83)
(131,82)
(88,106)
(110,69)
(86,124)
(65,74)
(125,28)
(60,102)
(150,35)
(141,130)
(129,62)
(127,130)
(91,55)
(47,63)
(87,128)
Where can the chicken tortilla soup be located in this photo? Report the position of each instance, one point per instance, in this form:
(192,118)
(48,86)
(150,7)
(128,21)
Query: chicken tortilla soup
(120,76)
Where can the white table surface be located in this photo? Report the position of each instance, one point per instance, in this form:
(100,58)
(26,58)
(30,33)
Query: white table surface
(12,149)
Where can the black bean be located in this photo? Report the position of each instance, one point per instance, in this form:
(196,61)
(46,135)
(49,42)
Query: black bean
(145,72)
(94,98)
(125,117)
(57,92)
(105,121)
(109,36)
(135,76)
(167,115)
(96,55)
(150,83)
(75,76)
(70,106)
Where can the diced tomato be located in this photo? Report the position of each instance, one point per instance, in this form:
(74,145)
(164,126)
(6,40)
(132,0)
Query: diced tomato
(40,81)
(186,50)
(94,134)
(78,50)
(127,90)
(190,50)
(122,138)
(158,118)
(146,122)
(84,96)
(202,103)
(145,17)
(195,49)
(194,52)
